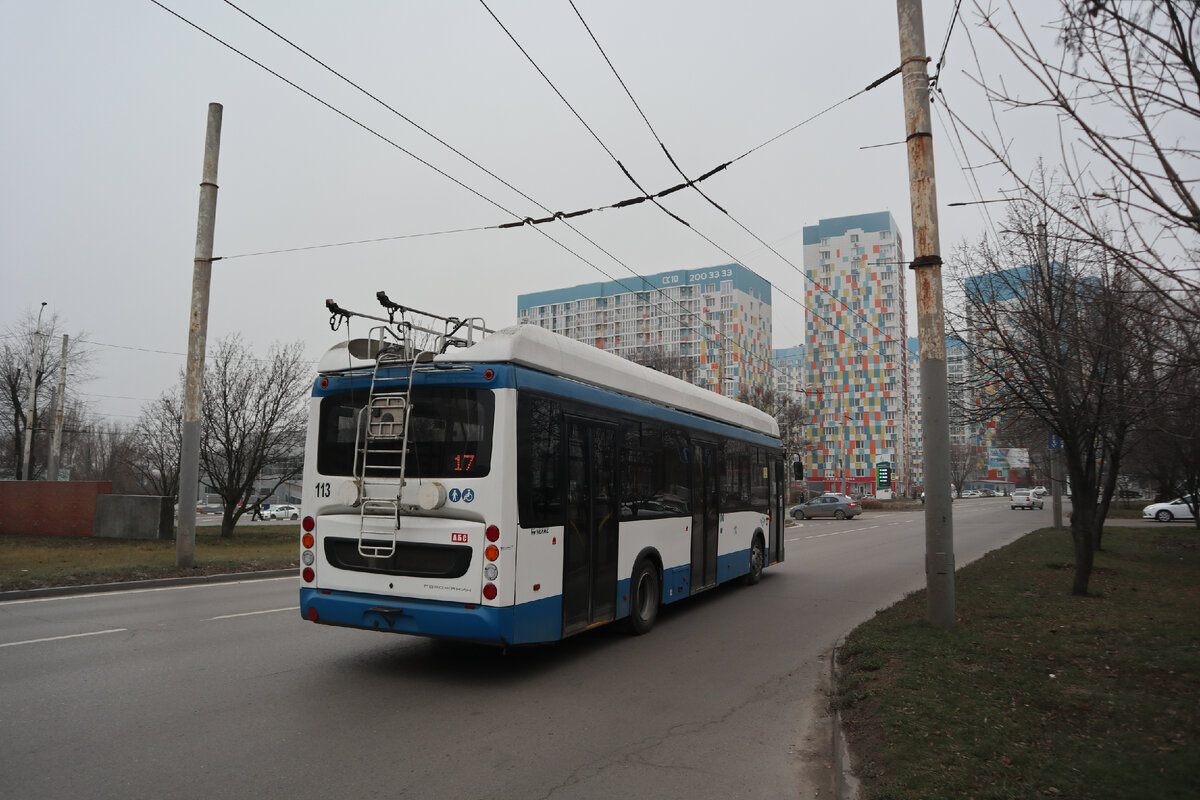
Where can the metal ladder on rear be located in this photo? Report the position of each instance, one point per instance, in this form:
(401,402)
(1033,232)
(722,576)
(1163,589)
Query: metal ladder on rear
(381,428)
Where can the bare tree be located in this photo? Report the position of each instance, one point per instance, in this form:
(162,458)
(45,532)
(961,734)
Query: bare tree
(1061,343)
(101,452)
(17,342)
(665,360)
(253,417)
(157,437)
(1125,87)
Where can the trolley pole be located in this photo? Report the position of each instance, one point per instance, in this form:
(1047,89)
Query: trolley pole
(189,466)
(931,317)
(60,400)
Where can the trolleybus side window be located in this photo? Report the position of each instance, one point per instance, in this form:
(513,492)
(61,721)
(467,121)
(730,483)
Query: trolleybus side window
(539,461)
(650,462)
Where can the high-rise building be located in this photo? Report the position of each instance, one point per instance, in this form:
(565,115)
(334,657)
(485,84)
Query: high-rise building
(710,326)
(857,368)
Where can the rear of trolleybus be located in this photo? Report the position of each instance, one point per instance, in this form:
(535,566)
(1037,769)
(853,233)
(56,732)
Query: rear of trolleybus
(404,527)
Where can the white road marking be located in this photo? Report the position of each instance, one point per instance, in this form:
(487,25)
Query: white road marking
(60,638)
(253,613)
(117,592)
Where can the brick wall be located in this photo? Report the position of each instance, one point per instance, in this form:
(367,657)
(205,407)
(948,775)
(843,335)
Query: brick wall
(50,508)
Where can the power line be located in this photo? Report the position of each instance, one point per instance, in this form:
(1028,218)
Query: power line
(717,206)
(346,116)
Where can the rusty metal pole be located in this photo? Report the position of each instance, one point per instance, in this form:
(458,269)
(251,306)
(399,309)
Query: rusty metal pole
(60,401)
(189,466)
(931,318)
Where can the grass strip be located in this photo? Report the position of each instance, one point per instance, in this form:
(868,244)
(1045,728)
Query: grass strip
(34,562)
(1036,693)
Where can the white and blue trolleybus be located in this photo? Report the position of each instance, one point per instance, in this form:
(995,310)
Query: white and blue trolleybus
(517,486)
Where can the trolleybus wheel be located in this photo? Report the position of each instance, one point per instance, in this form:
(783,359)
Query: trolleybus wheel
(645,593)
(758,556)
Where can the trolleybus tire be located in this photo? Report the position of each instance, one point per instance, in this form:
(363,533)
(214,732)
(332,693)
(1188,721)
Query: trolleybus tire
(758,557)
(645,595)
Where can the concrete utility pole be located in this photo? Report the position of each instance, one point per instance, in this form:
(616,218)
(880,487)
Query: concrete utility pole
(35,366)
(931,318)
(189,466)
(60,400)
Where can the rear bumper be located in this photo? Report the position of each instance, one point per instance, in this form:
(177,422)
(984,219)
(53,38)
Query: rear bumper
(539,621)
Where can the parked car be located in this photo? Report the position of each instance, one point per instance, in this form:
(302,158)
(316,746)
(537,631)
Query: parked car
(1025,498)
(1165,512)
(838,506)
(281,512)
(1039,491)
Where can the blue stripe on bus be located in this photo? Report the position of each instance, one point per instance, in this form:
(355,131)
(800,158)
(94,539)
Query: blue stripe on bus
(537,621)
(526,623)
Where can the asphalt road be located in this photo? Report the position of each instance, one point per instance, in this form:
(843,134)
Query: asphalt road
(222,690)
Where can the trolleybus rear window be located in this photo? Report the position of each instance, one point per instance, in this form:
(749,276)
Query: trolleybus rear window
(449,435)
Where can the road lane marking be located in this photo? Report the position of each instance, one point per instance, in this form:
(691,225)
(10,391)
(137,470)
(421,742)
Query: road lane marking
(117,592)
(60,638)
(252,613)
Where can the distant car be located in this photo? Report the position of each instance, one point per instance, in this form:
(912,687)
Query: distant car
(971,493)
(1025,498)
(987,493)
(281,512)
(1165,512)
(1039,491)
(838,506)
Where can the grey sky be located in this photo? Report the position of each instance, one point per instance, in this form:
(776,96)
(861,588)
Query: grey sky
(104,110)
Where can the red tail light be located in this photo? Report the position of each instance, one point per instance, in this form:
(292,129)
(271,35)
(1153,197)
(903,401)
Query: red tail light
(489,591)
(308,574)
(492,533)
(308,523)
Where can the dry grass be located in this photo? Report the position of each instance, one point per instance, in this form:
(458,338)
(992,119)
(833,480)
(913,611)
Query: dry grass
(31,562)
(1037,693)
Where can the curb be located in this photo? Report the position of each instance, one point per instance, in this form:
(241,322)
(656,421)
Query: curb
(156,583)
(845,784)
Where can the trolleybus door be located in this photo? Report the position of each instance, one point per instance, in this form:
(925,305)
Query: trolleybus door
(706,519)
(778,477)
(590,540)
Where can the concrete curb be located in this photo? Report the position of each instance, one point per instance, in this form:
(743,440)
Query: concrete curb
(845,784)
(157,583)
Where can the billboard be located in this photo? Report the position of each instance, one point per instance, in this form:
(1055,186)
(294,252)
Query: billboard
(1005,458)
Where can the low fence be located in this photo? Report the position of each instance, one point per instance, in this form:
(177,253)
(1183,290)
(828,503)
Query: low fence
(82,508)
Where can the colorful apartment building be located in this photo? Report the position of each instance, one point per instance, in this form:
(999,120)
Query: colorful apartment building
(710,326)
(856,371)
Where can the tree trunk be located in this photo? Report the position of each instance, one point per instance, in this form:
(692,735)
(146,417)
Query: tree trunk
(1084,555)
(227,522)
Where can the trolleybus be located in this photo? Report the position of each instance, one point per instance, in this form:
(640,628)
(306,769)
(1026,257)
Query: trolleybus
(517,486)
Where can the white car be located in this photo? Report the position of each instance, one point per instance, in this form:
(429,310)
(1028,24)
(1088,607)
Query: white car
(281,512)
(1165,512)
(1025,498)
(1039,491)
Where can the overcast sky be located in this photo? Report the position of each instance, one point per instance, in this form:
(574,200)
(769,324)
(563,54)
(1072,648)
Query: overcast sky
(104,107)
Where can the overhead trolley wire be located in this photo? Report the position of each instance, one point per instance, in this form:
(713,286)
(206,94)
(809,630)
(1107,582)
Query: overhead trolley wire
(717,206)
(553,216)
(423,161)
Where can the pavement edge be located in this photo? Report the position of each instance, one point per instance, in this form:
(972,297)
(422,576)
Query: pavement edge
(845,782)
